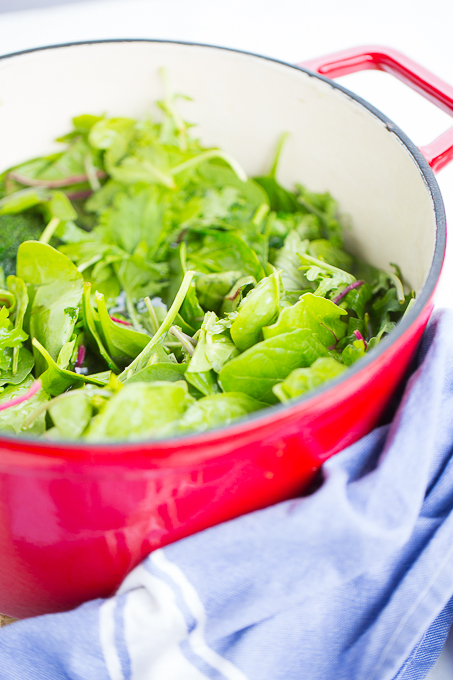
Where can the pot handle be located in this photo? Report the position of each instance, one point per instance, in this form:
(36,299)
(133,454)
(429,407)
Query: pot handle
(440,93)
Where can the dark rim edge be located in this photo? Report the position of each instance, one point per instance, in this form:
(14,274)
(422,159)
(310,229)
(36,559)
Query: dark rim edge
(262,417)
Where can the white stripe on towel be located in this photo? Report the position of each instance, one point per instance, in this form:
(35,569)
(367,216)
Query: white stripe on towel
(196,637)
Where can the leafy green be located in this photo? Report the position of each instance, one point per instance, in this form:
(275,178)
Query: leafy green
(321,316)
(302,380)
(258,309)
(13,419)
(55,288)
(217,410)
(174,276)
(267,363)
(141,410)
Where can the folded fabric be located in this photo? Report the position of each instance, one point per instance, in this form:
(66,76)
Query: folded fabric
(354,581)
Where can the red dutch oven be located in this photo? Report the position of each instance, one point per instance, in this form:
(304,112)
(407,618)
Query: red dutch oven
(74,519)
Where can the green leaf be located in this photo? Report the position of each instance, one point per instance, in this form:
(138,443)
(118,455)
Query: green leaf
(258,309)
(353,352)
(141,411)
(55,288)
(23,200)
(326,251)
(122,343)
(25,363)
(199,372)
(259,368)
(12,420)
(90,326)
(142,360)
(212,288)
(302,380)
(158,372)
(71,413)
(321,316)
(288,261)
(225,251)
(328,277)
(217,410)
(55,379)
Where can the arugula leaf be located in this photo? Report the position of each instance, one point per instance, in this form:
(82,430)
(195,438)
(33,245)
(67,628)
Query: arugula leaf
(259,368)
(329,277)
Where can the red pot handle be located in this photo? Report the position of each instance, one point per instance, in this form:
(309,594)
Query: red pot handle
(440,151)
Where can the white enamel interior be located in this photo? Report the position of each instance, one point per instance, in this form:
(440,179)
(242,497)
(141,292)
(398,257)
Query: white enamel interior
(242,104)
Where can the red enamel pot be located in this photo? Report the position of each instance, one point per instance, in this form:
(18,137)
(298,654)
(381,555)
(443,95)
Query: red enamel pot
(74,519)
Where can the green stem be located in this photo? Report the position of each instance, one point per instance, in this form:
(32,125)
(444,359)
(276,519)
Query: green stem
(207,155)
(152,314)
(399,287)
(260,214)
(49,230)
(142,359)
(281,141)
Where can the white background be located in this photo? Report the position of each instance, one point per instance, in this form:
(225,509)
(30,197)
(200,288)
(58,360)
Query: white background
(289,30)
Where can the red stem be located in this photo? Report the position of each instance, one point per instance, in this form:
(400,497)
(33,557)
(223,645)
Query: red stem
(37,385)
(125,323)
(344,292)
(359,336)
(55,183)
(81,352)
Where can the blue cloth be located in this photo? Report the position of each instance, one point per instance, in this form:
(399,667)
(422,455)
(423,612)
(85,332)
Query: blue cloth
(354,581)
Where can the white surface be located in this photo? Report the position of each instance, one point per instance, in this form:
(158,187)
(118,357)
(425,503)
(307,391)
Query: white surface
(291,30)
(242,104)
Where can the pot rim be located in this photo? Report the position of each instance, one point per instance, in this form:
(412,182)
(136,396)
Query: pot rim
(65,450)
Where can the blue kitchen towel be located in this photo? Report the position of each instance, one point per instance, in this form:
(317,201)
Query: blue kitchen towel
(353,582)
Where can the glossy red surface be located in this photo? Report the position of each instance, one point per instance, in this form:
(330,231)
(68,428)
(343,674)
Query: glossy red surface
(72,524)
(378,58)
(74,519)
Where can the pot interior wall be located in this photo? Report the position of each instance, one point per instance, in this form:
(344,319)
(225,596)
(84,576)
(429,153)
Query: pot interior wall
(242,104)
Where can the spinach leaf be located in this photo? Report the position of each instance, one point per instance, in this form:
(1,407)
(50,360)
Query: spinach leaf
(122,343)
(159,371)
(212,288)
(217,410)
(321,316)
(55,288)
(259,368)
(55,379)
(13,420)
(140,411)
(303,380)
(288,261)
(258,309)
(71,413)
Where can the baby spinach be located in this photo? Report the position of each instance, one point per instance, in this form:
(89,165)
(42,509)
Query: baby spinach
(174,276)
(258,309)
(217,410)
(55,289)
(141,410)
(321,316)
(267,363)
(302,380)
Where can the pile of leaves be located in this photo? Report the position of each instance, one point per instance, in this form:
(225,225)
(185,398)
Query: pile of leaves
(149,288)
